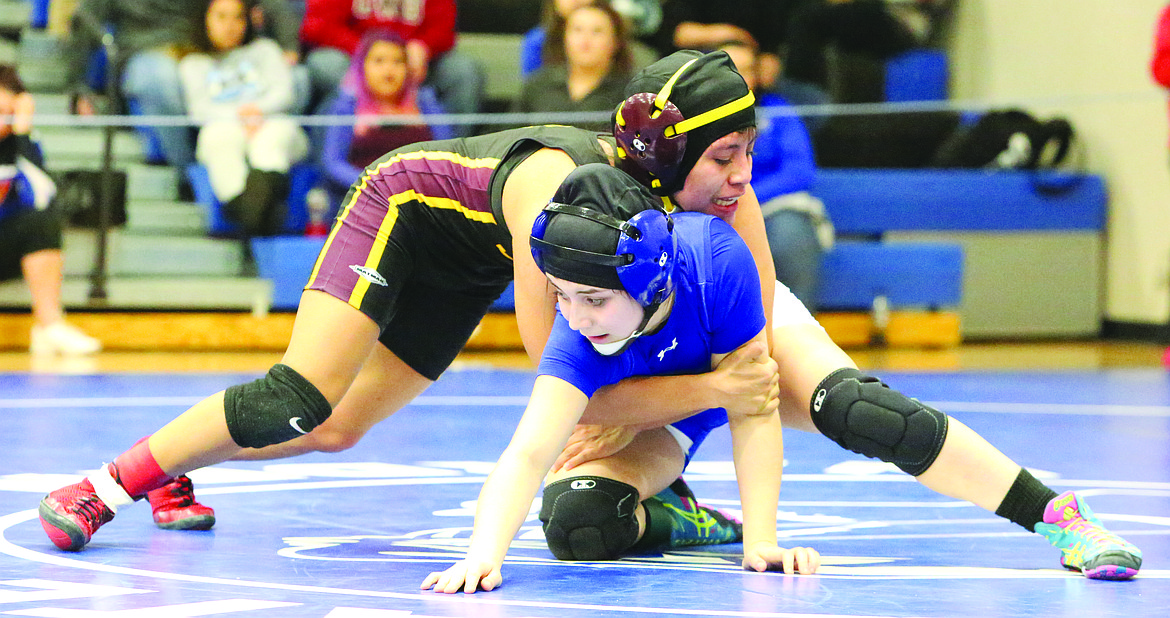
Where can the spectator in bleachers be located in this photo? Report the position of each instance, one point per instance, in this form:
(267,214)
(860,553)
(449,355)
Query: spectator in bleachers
(879,29)
(783,171)
(332,29)
(536,40)
(642,18)
(377,83)
(588,72)
(30,233)
(238,85)
(150,36)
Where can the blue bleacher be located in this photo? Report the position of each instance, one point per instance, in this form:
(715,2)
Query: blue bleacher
(905,274)
(917,75)
(287,261)
(869,203)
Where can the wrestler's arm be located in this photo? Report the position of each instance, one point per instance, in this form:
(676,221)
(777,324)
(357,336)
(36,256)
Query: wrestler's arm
(553,409)
(749,223)
(528,189)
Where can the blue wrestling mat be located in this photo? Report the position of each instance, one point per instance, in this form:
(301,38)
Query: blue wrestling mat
(352,535)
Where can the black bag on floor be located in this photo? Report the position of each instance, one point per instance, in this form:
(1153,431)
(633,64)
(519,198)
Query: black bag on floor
(79,194)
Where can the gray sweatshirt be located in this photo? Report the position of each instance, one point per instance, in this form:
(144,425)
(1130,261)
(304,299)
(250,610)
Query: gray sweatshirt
(214,87)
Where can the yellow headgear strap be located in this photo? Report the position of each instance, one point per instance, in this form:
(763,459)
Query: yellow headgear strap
(706,117)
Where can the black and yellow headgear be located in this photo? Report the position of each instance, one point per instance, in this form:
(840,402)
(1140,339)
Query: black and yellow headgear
(676,108)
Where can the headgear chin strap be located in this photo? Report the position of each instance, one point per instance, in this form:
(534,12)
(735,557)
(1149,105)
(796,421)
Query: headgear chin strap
(660,136)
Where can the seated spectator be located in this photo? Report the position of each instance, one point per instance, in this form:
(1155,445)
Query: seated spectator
(237,86)
(536,40)
(30,233)
(588,72)
(332,29)
(783,170)
(879,29)
(378,83)
(642,17)
(150,35)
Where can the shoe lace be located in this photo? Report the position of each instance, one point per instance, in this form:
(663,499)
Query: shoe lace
(1093,533)
(89,507)
(184,491)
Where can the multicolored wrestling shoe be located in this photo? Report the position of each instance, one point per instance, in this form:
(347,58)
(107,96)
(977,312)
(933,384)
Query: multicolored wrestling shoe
(1085,545)
(690,523)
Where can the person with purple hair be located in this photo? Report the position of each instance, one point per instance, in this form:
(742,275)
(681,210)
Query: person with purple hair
(376,84)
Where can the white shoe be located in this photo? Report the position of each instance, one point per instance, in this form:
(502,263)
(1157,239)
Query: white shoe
(62,338)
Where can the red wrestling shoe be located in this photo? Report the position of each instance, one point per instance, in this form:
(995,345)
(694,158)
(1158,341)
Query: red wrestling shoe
(175,508)
(72,514)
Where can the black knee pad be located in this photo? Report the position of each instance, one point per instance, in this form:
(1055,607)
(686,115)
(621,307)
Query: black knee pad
(589,518)
(276,408)
(867,417)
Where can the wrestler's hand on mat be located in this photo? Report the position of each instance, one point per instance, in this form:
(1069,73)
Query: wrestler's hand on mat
(764,556)
(590,442)
(467,575)
(747,381)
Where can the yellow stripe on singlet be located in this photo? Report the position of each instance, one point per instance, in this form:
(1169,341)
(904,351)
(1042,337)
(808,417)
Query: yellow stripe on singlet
(394,201)
(442,203)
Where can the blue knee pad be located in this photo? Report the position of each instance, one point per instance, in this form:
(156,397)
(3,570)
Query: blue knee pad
(276,408)
(589,518)
(867,417)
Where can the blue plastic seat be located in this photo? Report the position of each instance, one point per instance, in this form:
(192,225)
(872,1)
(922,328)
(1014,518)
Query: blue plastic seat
(287,262)
(917,75)
(860,276)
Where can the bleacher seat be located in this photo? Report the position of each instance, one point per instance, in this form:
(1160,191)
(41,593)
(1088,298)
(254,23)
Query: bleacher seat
(917,75)
(872,201)
(861,275)
(951,238)
(287,262)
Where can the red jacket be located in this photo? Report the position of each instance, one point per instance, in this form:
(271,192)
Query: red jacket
(340,24)
(1160,64)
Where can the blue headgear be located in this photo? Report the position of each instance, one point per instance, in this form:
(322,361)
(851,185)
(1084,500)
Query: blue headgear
(587,235)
